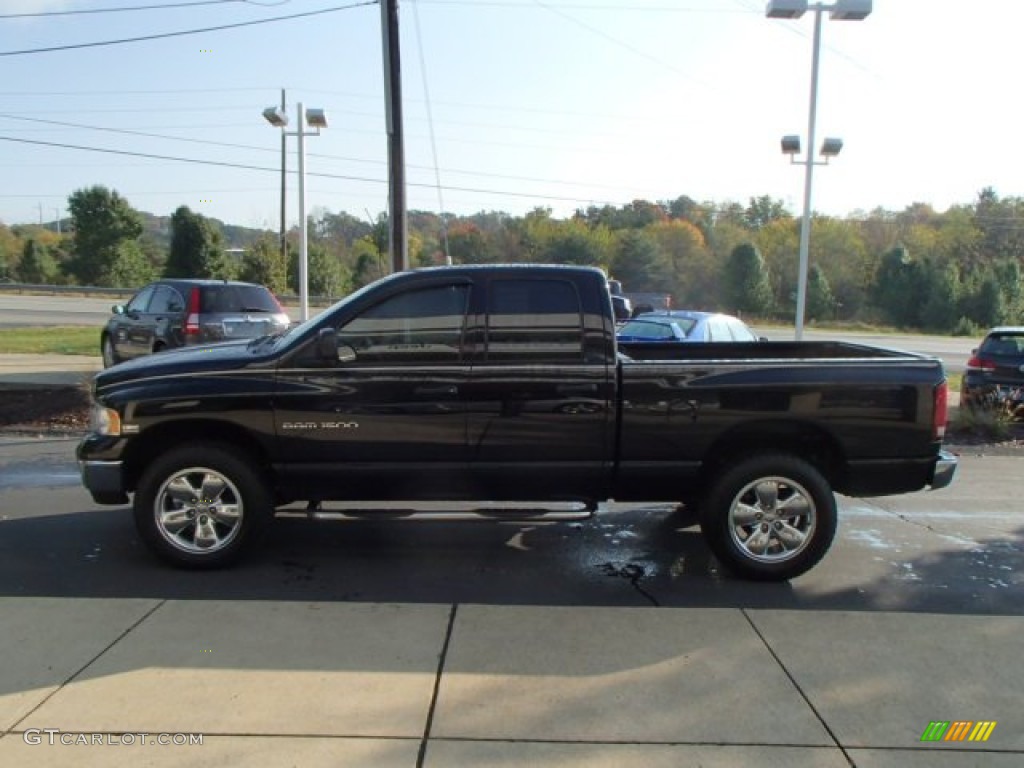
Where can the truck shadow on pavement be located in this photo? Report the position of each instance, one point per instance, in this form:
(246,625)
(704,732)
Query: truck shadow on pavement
(632,558)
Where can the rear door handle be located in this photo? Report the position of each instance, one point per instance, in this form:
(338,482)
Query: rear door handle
(446,390)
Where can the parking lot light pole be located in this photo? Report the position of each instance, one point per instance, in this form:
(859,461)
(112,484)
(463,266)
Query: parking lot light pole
(314,118)
(842,10)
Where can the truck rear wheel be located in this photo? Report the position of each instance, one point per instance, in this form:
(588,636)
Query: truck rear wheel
(200,506)
(770,517)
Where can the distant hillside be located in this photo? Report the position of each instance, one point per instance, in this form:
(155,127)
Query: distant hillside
(157,229)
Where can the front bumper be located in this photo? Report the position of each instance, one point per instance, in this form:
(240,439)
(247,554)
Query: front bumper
(104,480)
(944,470)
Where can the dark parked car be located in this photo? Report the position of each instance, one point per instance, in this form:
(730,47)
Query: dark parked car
(995,372)
(177,313)
(685,326)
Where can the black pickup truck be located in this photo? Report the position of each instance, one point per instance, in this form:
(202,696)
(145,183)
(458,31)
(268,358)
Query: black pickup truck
(505,384)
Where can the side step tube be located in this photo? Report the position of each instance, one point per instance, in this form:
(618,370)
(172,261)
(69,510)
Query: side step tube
(441,511)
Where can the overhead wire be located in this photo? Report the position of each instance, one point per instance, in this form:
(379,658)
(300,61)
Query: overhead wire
(122,9)
(249,167)
(236,145)
(433,140)
(182,33)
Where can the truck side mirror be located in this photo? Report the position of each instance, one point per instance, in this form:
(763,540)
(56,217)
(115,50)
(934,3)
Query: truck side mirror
(327,344)
(117,309)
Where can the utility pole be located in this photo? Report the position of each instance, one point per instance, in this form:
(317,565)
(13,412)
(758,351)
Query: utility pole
(284,155)
(397,239)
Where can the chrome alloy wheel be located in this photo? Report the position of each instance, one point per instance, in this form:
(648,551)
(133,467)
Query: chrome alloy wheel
(198,510)
(772,519)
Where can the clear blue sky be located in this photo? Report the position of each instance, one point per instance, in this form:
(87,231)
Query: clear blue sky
(553,103)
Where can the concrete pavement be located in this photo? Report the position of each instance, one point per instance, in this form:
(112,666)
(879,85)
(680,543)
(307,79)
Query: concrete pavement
(271,683)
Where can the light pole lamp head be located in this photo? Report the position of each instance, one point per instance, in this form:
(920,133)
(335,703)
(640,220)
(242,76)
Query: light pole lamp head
(786,9)
(316,118)
(831,147)
(276,117)
(851,10)
(791,145)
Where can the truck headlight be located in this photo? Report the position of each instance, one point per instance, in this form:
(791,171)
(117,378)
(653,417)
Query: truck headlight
(104,421)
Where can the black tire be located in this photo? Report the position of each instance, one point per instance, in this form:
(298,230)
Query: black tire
(201,506)
(770,517)
(107,352)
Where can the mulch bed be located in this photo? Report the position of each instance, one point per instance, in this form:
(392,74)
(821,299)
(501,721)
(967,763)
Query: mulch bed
(51,409)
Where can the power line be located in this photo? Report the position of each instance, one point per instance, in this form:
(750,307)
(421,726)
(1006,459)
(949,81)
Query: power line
(235,145)
(622,44)
(247,167)
(37,14)
(164,35)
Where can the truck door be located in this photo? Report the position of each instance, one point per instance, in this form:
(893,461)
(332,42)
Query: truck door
(391,423)
(540,394)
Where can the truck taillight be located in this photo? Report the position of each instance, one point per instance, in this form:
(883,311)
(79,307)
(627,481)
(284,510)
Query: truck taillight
(941,411)
(975,363)
(192,318)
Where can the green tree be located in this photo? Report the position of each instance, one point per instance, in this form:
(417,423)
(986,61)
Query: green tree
(197,249)
(899,287)
(327,277)
(745,281)
(103,223)
(940,310)
(369,262)
(986,305)
(638,263)
(36,265)
(263,263)
(129,268)
(762,211)
(821,304)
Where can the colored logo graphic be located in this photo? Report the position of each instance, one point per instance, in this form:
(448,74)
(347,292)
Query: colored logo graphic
(958,730)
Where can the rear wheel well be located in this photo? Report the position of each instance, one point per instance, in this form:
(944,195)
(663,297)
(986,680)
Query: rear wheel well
(158,440)
(808,442)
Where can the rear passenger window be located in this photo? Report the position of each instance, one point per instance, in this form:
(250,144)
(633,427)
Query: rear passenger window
(534,321)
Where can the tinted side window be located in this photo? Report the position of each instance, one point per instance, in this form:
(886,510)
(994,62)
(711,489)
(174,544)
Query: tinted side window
(140,301)
(534,321)
(163,300)
(740,331)
(418,327)
(719,330)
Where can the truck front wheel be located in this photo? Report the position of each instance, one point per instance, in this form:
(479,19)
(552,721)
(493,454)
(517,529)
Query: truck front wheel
(770,517)
(199,506)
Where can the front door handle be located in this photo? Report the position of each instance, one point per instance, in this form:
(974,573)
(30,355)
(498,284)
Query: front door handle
(577,389)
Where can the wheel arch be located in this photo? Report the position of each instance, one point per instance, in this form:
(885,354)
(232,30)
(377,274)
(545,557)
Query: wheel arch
(162,438)
(809,442)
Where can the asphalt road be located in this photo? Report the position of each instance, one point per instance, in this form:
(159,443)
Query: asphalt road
(959,550)
(63,310)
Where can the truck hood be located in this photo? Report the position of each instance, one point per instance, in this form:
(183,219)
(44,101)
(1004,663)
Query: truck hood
(226,356)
